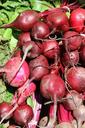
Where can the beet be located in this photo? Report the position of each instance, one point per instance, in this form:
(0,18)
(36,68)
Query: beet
(22,75)
(38,67)
(4,109)
(72,40)
(24,21)
(23,38)
(75,77)
(73,100)
(40,30)
(58,20)
(36,49)
(51,48)
(23,114)
(79,114)
(51,85)
(77,19)
(71,59)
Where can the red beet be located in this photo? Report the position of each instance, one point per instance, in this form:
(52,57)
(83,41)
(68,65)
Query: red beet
(36,49)
(58,20)
(51,48)
(24,21)
(71,59)
(77,19)
(72,40)
(4,109)
(23,114)
(79,114)
(51,85)
(38,67)
(76,78)
(23,38)
(22,75)
(73,100)
(40,30)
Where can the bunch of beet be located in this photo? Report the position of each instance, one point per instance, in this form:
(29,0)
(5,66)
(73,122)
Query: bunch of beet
(50,62)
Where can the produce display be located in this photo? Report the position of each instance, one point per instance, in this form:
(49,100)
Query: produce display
(42,64)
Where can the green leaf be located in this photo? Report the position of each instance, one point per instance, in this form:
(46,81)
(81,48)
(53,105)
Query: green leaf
(4,54)
(30,101)
(8,16)
(12,43)
(3,18)
(57,3)
(68,14)
(2,95)
(40,5)
(1,33)
(3,59)
(8,97)
(2,86)
(7,34)
(10,3)
(13,16)
(2,90)
(2,126)
(20,9)
(5,95)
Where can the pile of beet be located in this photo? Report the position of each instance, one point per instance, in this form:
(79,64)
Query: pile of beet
(49,67)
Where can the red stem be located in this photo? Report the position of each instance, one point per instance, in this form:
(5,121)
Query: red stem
(23,92)
(36,109)
(48,12)
(64,115)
